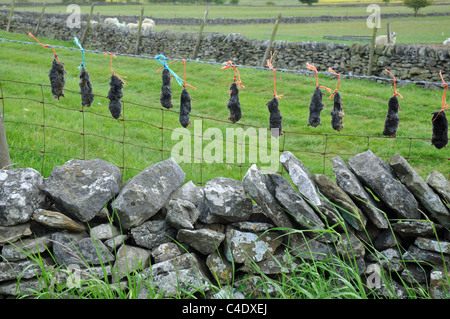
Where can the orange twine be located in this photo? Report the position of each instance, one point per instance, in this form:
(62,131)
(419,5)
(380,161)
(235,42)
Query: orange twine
(444,106)
(45,46)
(339,79)
(229,64)
(112,71)
(313,68)
(395,91)
(270,66)
(184,76)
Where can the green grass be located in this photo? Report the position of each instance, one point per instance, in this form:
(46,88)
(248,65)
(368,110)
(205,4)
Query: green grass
(365,106)
(409,30)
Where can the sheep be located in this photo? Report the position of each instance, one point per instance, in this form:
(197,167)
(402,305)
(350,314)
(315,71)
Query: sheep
(447,42)
(147,28)
(382,39)
(149,21)
(111,21)
(132,27)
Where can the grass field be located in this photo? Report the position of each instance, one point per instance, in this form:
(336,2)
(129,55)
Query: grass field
(365,105)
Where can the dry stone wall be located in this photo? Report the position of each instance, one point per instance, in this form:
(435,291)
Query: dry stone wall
(382,215)
(408,62)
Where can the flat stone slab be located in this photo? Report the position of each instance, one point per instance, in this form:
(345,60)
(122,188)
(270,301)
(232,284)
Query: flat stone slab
(142,196)
(421,190)
(348,182)
(376,174)
(81,188)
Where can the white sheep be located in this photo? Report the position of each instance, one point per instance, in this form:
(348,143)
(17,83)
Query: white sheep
(132,27)
(447,42)
(148,20)
(147,28)
(382,39)
(111,21)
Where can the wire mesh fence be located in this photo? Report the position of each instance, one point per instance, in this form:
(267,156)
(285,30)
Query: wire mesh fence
(43,133)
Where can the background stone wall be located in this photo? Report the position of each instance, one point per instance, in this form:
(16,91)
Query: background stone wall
(407,62)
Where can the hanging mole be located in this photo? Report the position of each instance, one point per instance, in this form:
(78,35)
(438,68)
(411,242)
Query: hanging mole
(315,107)
(233,104)
(392,118)
(440,129)
(57,78)
(185,108)
(275,118)
(85,89)
(166,90)
(337,113)
(114,96)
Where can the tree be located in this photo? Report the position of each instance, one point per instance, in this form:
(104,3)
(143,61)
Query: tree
(417,4)
(309,2)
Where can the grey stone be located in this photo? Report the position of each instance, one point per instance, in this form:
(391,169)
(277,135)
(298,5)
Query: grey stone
(301,177)
(25,269)
(261,189)
(104,231)
(190,192)
(390,259)
(20,195)
(350,247)
(184,261)
(203,240)
(25,248)
(417,186)
(433,245)
(68,251)
(153,233)
(142,196)
(348,182)
(278,263)
(181,214)
(312,249)
(387,239)
(220,268)
(439,286)
(349,211)
(13,233)
(414,274)
(57,220)
(129,259)
(440,184)
(253,227)
(415,254)
(244,247)
(295,205)
(184,282)
(23,287)
(305,184)
(165,252)
(373,173)
(225,199)
(114,243)
(81,188)
(414,228)
(228,292)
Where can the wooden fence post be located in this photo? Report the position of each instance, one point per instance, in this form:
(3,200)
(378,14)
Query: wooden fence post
(199,38)
(388,33)
(138,40)
(272,38)
(5,160)
(83,39)
(36,31)
(10,17)
(372,50)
